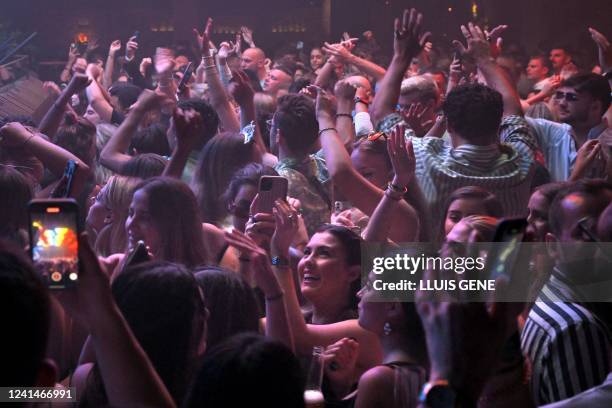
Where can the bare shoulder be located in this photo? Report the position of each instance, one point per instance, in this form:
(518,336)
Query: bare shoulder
(376,388)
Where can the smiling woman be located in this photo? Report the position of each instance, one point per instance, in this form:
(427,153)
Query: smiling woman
(164,214)
(330,274)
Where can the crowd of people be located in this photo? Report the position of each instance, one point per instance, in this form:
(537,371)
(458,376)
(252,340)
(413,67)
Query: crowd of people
(436,144)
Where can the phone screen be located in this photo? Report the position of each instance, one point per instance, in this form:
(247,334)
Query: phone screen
(508,238)
(54,244)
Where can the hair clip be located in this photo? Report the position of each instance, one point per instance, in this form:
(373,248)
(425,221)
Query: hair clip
(248,132)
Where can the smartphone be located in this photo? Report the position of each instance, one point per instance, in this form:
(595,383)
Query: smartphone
(138,255)
(185,79)
(54,245)
(457,56)
(340,206)
(503,255)
(82,47)
(136,35)
(71,167)
(271,188)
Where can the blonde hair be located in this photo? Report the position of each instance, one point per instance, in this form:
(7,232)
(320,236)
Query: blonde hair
(116,195)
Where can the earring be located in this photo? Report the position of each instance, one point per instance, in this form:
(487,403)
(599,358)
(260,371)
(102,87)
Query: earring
(387,328)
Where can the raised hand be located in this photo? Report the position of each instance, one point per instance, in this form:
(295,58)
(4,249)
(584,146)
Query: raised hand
(587,156)
(114,47)
(260,261)
(78,83)
(402,157)
(240,88)
(495,39)
(409,38)
(149,100)
(247,35)
(345,91)
(188,125)
(324,101)
(478,48)
(414,118)
(94,71)
(286,220)
(164,60)
(604,49)
(260,226)
(203,39)
(226,49)
(339,51)
(144,64)
(52,88)
(73,53)
(130,48)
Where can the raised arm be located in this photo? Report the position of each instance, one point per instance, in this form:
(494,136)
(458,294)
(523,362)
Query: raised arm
(343,54)
(305,335)
(277,321)
(363,194)
(345,99)
(188,126)
(52,156)
(107,79)
(128,375)
(95,95)
(387,210)
(114,154)
(408,43)
(479,50)
(53,118)
(218,96)
(72,56)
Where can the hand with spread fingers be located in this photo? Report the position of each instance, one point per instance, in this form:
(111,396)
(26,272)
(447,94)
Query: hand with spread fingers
(409,38)
(240,88)
(203,39)
(401,153)
(478,47)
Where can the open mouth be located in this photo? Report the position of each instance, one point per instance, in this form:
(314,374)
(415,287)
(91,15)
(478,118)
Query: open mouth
(310,279)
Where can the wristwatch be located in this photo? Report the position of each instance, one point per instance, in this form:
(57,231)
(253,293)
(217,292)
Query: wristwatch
(280,261)
(359,100)
(438,394)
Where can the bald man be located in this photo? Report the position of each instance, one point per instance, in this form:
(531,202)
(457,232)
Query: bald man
(254,59)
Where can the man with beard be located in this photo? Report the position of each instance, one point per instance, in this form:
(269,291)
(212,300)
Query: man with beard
(580,103)
(564,336)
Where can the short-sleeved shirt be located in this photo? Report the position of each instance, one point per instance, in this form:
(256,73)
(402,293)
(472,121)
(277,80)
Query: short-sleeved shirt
(310,183)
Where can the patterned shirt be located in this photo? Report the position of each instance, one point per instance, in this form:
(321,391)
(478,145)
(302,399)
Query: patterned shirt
(559,146)
(310,183)
(505,169)
(567,344)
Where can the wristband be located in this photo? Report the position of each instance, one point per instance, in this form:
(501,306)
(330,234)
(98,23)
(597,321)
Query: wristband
(280,262)
(344,115)
(325,130)
(359,100)
(397,189)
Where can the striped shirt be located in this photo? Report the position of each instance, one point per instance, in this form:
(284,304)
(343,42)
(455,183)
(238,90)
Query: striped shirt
(505,169)
(567,344)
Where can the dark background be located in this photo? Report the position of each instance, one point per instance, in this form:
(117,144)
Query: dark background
(535,24)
